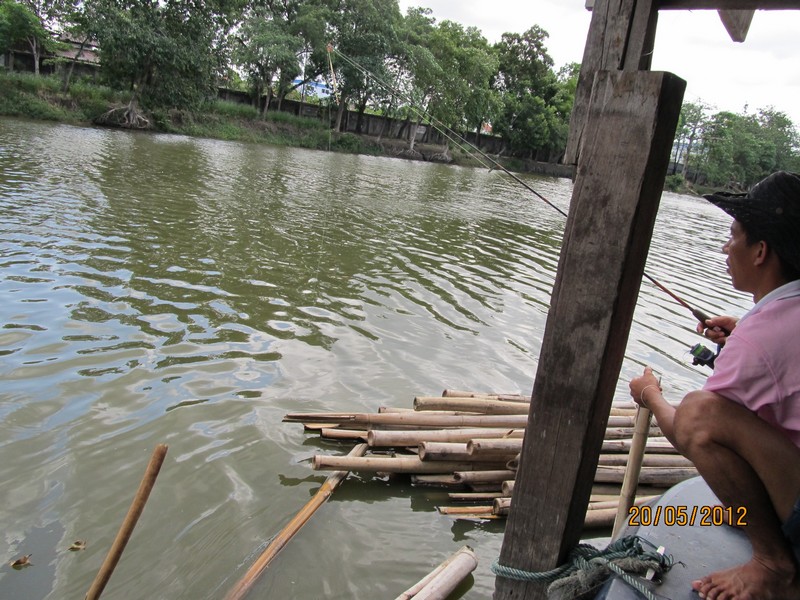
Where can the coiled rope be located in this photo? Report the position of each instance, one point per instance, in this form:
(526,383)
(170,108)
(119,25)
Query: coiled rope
(587,568)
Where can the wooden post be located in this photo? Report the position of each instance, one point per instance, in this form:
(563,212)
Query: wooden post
(628,139)
(621,37)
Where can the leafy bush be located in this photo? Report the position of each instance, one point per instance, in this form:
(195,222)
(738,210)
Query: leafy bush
(295,121)
(234,110)
(674,183)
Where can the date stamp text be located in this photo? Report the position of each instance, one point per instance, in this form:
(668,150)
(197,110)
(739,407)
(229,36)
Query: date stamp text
(682,515)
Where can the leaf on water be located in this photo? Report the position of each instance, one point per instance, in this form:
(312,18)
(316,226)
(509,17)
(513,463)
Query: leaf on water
(78,545)
(25,561)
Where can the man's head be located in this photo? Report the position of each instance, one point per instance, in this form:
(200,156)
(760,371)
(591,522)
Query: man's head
(770,212)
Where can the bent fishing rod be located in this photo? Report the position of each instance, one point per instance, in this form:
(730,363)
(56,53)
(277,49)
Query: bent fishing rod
(460,141)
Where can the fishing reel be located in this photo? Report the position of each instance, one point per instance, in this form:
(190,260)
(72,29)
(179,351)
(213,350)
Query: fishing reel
(703,356)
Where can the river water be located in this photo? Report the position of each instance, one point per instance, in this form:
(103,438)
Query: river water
(164,289)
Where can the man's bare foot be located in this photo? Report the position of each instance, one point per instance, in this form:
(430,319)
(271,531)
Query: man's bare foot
(755,580)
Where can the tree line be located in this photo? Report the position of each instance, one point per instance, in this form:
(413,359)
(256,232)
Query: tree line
(175,53)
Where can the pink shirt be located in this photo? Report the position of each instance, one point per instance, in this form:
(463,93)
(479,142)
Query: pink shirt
(759,366)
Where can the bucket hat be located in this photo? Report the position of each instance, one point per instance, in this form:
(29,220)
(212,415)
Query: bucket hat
(770,211)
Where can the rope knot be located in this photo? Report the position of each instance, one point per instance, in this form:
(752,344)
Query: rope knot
(587,568)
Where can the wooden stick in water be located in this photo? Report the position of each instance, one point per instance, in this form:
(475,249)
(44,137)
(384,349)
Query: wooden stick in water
(440,582)
(287,533)
(126,529)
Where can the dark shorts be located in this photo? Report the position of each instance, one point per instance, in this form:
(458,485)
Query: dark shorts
(791,529)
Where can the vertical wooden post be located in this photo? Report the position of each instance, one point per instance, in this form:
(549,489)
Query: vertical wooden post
(628,139)
(621,37)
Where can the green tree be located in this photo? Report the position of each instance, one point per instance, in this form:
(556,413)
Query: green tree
(266,49)
(741,149)
(463,97)
(365,31)
(527,121)
(167,52)
(691,127)
(20,25)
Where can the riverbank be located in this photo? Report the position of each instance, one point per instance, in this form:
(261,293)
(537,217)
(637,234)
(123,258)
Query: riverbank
(43,98)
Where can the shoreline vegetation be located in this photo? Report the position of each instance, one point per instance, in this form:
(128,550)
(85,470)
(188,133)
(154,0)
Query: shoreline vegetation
(42,98)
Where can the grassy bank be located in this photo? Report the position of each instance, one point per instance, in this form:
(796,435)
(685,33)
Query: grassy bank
(42,98)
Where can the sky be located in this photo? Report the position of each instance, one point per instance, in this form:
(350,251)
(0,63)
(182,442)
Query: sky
(762,72)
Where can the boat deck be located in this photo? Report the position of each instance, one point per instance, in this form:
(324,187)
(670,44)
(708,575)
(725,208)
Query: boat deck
(697,549)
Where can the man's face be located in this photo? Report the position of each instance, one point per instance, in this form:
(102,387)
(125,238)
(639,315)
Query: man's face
(741,258)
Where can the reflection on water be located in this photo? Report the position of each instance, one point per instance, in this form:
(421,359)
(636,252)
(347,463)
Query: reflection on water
(166,289)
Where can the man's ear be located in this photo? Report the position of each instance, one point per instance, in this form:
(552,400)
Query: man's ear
(762,253)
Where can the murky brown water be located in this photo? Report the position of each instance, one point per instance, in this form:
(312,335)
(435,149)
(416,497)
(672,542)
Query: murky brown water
(158,288)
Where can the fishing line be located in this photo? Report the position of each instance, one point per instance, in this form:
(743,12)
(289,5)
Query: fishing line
(460,142)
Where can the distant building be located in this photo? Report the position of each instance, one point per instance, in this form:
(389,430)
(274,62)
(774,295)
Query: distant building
(86,57)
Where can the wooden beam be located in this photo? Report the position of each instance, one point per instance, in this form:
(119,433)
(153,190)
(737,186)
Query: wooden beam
(621,37)
(729,4)
(737,22)
(631,124)
(720,4)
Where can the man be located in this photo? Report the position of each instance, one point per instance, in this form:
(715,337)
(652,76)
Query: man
(742,430)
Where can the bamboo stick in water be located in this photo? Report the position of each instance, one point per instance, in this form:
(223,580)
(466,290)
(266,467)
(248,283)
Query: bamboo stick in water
(288,532)
(126,529)
(386,438)
(440,582)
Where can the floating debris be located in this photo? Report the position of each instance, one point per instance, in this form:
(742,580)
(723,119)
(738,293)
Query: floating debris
(78,545)
(23,562)
(470,443)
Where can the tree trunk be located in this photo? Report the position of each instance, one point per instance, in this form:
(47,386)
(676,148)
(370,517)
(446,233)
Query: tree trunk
(401,131)
(412,135)
(266,103)
(340,115)
(34,44)
(68,74)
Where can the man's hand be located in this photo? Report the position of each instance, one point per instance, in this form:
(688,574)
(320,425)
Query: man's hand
(717,329)
(642,384)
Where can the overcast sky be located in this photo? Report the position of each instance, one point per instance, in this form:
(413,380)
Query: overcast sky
(694,45)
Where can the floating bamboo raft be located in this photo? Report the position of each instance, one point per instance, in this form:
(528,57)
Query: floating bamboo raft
(469,443)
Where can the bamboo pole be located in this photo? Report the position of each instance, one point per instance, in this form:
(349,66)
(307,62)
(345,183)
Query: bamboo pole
(384,439)
(631,479)
(413,418)
(434,575)
(334,433)
(647,460)
(126,529)
(474,496)
(436,480)
(654,446)
(501,506)
(447,580)
(453,451)
(507,397)
(288,532)
(488,476)
(464,510)
(599,518)
(382,464)
(507,447)
(658,476)
(489,406)
(618,433)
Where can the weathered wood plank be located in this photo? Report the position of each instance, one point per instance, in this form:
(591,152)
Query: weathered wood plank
(621,37)
(631,125)
(737,23)
(729,4)
(720,4)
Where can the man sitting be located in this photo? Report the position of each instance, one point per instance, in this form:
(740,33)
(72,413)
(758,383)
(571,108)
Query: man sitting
(742,430)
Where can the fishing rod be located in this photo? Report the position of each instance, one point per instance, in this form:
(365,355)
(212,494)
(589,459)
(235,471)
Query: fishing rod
(461,141)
